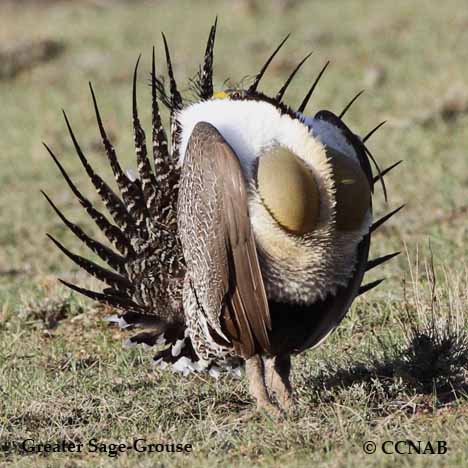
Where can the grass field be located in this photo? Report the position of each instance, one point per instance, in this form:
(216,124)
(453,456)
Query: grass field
(63,372)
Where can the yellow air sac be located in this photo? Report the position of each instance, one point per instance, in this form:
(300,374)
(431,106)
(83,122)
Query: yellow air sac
(289,190)
(353,194)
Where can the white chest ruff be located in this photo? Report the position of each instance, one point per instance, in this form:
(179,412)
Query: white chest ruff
(297,269)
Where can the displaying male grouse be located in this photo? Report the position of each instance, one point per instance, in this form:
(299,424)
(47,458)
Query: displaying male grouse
(246,242)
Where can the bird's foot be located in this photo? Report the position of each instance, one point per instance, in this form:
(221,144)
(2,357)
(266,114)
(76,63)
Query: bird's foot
(266,406)
(284,397)
(277,371)
(257,387)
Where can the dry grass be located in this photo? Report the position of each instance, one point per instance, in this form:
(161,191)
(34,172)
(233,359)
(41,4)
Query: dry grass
(395,369)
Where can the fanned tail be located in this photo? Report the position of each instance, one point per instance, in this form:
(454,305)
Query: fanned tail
(145,275)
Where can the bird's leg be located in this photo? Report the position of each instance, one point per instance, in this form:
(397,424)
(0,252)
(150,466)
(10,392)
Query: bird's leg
(277,370)
(257,387)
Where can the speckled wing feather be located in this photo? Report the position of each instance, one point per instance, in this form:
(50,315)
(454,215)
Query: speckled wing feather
(218,243)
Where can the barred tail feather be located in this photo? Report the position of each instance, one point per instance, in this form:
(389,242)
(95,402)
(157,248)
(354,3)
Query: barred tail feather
(114,260)
(112,232)
(111,200)
(112,279)
(166,172)
(147,179)
(176,105)
(162,163)
(131,193)
(206,79)
(118,302)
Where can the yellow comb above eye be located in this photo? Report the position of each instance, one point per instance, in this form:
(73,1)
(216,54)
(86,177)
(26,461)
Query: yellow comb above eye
(220,95)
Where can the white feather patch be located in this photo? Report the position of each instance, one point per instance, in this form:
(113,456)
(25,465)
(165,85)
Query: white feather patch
(161,339)
(215,372)
(118,320)
(177,347)
(163,364)
(182,365)
(131,174)
(157,362)
(237,372)
(250,128)
(200,365)
(329,135)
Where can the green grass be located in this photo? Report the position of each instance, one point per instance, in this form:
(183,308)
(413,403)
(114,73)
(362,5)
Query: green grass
(63,372)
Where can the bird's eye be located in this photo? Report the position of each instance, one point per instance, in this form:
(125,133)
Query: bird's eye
(236,95)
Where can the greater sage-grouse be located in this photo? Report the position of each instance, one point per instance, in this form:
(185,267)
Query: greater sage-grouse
(246,242)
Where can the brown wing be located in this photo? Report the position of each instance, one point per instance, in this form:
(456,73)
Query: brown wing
(218,243)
